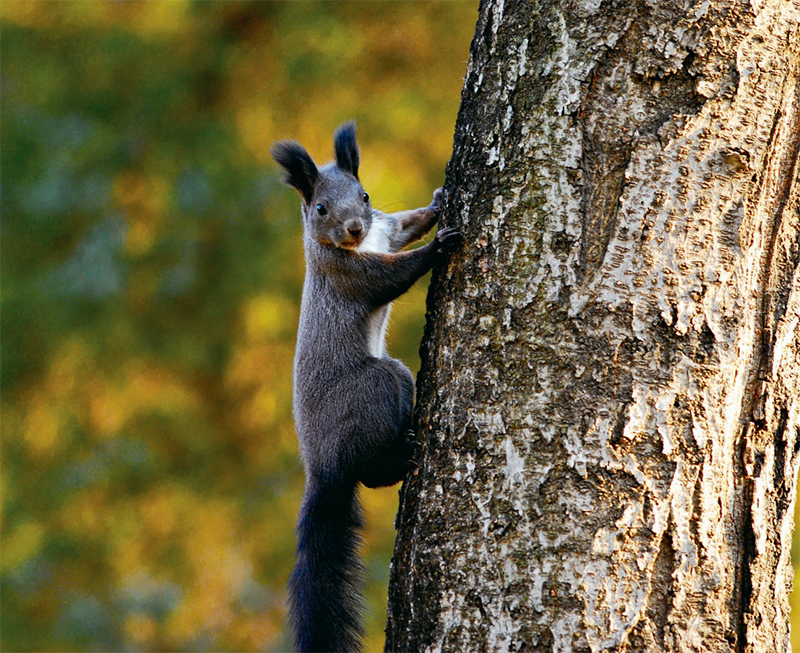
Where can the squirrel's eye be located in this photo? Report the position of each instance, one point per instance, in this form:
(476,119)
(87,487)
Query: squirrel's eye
(321,209)
(366,196)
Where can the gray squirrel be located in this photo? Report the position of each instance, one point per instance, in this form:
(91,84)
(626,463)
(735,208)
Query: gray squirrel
(353,404)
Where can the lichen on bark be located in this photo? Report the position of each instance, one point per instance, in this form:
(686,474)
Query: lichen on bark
(608,401)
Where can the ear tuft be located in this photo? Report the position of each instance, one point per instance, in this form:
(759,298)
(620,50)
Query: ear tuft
(300,169)
(346,148)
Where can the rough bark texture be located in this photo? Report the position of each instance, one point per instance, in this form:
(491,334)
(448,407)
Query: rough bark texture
(608,402)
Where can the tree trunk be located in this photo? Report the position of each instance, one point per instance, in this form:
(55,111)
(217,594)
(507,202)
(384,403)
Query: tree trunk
(608,402)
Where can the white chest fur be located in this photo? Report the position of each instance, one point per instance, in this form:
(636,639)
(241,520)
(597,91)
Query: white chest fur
(376,331)
(378,237)
(378,241)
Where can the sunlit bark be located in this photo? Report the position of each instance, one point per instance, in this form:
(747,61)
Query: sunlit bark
(608,405)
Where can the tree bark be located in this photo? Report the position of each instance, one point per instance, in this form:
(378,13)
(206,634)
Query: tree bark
(608,401)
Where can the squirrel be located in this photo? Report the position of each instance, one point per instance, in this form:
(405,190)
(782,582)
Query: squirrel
(352,403)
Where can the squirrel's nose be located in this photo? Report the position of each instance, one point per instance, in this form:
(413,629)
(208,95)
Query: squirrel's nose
(355,228)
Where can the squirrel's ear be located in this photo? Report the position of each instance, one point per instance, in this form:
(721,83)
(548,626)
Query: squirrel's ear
(301,171)
(346,148)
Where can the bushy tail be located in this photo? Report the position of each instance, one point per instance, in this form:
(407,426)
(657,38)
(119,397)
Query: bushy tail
(324,586)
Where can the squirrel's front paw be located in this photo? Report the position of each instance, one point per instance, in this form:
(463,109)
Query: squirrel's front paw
(437,203)
(447,240)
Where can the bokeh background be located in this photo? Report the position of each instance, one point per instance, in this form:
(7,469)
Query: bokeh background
(151,275)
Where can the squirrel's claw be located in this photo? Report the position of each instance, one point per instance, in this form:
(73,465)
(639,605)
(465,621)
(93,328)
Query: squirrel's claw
(448,239)
(411,438)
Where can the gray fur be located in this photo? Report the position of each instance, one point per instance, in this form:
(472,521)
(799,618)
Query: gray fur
(352,402)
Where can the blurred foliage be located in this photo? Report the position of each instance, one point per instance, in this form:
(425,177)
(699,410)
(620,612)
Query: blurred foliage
(151,275)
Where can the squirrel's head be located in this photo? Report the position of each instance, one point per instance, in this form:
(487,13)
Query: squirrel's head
(336,210)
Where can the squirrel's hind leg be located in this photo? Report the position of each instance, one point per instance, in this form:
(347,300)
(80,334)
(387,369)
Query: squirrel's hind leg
(378,446)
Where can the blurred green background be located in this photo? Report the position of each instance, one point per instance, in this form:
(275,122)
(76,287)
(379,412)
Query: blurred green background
(151,276)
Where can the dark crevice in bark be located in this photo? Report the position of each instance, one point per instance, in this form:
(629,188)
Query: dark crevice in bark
(756,434)
(767,325)
(649,633)
(487,33)
(662,592)
(796,443)
(744,576)
(610,134)
(619,425)
(783,485)
(771,312)
(697,512)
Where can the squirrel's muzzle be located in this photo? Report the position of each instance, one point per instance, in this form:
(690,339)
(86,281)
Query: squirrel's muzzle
(354,230)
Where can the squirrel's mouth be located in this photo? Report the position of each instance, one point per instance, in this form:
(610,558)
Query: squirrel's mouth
(351,243)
